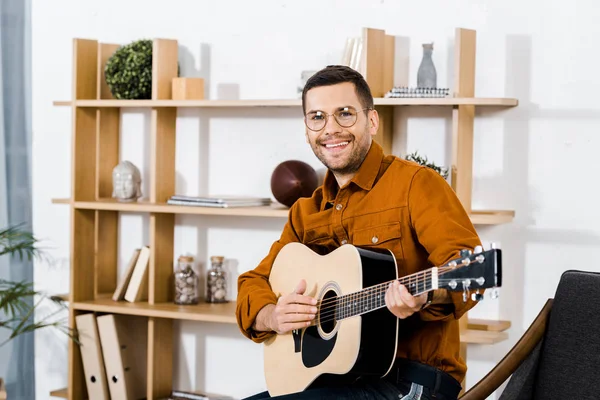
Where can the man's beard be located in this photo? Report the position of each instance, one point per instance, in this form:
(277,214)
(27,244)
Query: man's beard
(355,160)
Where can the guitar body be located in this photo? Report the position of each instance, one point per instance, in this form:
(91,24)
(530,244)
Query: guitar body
(331,350)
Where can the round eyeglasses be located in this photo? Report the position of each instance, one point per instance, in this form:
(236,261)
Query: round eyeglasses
(345,117)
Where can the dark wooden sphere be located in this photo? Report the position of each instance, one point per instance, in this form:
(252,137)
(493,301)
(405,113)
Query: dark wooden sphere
(292,180)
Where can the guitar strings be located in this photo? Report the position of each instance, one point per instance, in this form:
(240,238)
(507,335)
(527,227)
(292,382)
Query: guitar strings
(354,303)
(328,316)
(416,277)
(365,297)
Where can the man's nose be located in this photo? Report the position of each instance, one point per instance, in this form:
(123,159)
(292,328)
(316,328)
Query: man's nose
(331,125)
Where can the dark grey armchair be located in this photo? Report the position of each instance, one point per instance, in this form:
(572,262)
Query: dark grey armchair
(558,357)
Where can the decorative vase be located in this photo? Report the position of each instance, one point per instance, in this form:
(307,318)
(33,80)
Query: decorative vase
(186,282)
(216,281)
(427,76)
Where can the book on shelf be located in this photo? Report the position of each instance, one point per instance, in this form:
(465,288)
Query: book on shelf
(121,289)
(137,287)
(219,201)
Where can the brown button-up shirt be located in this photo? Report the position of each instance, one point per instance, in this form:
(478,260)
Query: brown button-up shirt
(390,204)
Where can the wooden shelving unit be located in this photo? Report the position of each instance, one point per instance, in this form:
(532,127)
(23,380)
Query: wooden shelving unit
(94,215)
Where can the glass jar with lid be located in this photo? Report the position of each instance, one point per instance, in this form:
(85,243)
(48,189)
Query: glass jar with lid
(186,282)
(216,281)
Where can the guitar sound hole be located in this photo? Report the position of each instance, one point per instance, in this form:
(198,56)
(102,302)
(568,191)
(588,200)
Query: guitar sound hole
(327,312)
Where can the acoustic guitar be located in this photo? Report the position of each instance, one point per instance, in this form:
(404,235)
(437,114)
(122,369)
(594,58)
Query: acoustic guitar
(353,333)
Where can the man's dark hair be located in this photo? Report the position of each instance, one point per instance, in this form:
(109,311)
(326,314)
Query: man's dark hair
(334,74)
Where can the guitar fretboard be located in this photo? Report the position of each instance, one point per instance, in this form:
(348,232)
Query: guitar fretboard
(373,298)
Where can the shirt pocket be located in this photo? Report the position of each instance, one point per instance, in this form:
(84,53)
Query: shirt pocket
(385,235)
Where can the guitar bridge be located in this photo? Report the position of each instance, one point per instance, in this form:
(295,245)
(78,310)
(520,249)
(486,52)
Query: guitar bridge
(297,335)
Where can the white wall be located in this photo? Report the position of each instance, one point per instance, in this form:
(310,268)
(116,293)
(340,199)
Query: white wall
(539,159)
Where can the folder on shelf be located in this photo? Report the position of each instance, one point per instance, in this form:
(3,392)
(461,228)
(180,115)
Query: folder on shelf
(137,290)
(91,357)
(124,341)
(124,282)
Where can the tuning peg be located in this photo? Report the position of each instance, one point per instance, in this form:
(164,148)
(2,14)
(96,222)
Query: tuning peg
(493,245)
(476,296)
(465,253)
(494,294)
(478,249)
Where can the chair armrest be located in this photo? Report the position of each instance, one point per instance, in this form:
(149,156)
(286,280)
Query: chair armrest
(504,369)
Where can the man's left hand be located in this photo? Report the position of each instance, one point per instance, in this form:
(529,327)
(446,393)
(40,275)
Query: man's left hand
(401,303)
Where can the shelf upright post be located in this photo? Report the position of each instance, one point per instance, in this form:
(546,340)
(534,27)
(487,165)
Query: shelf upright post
(378,70)
(162,225)
(107,157)
(83,222)
(463,117)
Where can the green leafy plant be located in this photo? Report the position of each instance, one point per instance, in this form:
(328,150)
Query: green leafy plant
(128,71)
(17,299)
(422,160)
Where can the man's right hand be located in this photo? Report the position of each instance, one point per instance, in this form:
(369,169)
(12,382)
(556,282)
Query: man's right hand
(292,311)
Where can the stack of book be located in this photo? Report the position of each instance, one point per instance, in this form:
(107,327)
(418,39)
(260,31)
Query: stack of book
(404,92)
(219,201)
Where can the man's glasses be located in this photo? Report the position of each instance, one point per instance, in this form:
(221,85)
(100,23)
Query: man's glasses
(345,117)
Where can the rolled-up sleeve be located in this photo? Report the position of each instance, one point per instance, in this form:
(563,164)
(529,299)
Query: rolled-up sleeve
(444,228)
(254,290)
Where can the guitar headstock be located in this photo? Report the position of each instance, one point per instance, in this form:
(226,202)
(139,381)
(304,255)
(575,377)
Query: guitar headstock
(473,270)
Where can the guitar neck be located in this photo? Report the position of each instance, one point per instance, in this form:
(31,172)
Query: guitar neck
(373,297)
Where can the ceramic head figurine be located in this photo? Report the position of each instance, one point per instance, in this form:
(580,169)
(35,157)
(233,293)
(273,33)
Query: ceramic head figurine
(127,182)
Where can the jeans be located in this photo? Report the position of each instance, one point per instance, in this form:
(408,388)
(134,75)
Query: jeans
(360,390)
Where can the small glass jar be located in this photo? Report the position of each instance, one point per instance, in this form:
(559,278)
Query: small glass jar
(186,282)
(216,281)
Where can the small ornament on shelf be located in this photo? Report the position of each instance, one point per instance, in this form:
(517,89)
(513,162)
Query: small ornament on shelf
(427,75)
(127,182)
(415,92)
(186,282)
(216,281)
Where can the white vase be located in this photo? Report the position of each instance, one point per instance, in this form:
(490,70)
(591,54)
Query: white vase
(427,75)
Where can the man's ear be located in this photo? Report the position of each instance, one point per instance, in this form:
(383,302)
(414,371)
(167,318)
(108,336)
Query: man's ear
(373,122)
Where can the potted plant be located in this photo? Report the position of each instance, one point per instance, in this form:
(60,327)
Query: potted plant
(19,300)
(422,160)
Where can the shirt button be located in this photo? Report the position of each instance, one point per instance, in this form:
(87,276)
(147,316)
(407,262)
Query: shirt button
(338,207)
(374,239)
(344,241)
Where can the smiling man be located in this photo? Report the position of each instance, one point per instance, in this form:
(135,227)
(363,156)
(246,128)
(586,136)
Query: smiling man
(374,201)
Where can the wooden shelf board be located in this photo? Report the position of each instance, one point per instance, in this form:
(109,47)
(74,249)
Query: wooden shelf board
(222,313)
(472,336)
(479,217)
(273,211)
(492,217)
(61,201)
(62,393)
(225,313)
(448,101)
(488,325)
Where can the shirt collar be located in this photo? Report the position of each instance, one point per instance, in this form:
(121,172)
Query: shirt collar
(364,177)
